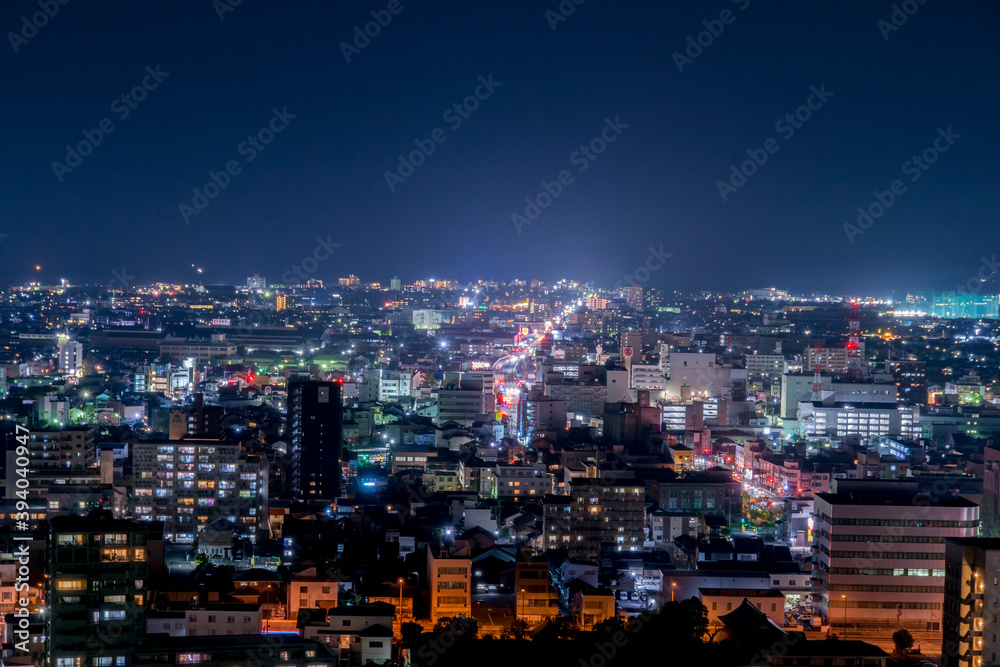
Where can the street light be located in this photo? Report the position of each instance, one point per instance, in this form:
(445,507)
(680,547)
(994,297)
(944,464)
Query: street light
(844,598)
(400,599)
(673,587)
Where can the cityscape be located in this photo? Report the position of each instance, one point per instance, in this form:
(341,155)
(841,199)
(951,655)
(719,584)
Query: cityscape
(572,333)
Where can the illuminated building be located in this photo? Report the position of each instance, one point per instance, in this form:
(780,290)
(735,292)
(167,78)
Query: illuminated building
(596,515)
(99,577)
(879,555)
(187,484)
(315,414)
(970,594)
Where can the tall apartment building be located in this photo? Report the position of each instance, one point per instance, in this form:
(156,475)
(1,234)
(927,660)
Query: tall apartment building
(188,484)
(98,582)
(633,297)
(315,428)
(449,581)
(879,554)
(971,591)
(72,448)
(596,514)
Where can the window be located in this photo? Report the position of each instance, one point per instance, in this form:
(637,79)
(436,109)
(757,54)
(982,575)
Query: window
(71,585)
(114,555)
(715,606)
(375,644)
(729,606)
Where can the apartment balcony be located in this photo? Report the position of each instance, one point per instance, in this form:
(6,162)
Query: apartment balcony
(972,597)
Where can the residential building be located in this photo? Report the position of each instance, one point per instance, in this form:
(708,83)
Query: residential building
(596,515)
(535,597)
(315,415)
(970,609)
(188,484)
(99,579)
(449,581)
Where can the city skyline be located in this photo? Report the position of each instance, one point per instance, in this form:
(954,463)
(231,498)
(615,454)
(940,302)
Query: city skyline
(686,130)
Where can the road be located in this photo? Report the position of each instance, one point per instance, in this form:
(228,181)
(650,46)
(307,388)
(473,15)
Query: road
(510,375)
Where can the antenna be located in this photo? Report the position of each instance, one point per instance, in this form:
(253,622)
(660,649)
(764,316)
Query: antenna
(817,394)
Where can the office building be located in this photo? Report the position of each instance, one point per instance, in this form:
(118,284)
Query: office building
(879,554)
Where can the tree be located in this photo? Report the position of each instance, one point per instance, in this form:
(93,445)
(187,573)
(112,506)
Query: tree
(902,639)
(410,634)
(516,630)
(610,625)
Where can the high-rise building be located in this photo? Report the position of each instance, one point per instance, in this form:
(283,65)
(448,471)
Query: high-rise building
(280,302)
(73,448)
(315,428)
(970,607)
(597,513)
(99,577)
(633,297)
(187,484)
(395,284)
(879,555)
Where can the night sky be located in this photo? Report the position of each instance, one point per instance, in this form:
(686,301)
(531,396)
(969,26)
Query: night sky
(655,184)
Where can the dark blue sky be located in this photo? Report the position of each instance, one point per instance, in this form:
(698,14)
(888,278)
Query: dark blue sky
(656,184)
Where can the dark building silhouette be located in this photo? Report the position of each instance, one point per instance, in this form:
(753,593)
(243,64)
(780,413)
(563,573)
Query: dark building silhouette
(315,413)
